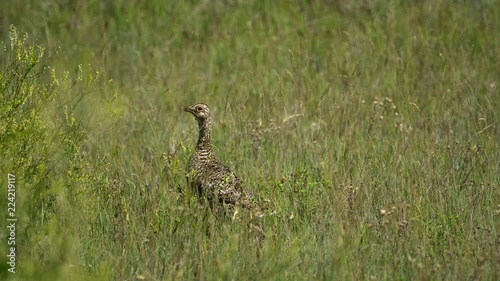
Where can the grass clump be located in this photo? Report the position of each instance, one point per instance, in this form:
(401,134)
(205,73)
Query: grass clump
(40,139)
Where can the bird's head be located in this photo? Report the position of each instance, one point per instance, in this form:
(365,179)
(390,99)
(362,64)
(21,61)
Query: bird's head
(199,110)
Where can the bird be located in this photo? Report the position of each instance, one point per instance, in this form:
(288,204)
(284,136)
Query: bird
(207,176)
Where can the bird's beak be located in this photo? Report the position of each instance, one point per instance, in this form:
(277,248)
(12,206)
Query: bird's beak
(188,109)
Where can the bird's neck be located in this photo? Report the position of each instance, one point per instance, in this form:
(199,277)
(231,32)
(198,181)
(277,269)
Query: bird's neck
(205,136)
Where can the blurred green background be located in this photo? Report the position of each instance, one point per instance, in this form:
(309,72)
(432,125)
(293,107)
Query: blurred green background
(369,128)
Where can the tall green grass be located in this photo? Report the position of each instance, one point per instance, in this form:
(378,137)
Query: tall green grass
(370,128)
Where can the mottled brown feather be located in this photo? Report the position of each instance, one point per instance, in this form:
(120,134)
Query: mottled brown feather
(207,176)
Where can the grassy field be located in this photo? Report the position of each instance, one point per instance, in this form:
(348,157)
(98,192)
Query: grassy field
(370,128)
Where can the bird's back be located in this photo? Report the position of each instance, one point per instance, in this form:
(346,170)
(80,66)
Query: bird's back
(210,178)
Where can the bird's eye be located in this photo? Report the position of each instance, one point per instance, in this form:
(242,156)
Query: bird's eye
(199,108)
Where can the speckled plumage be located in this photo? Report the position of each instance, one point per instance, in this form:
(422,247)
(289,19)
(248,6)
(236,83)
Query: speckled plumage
(206,175)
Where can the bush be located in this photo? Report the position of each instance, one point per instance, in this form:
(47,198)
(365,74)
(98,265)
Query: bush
(41,140)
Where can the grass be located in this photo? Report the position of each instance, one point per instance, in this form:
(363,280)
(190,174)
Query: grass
(371,127)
